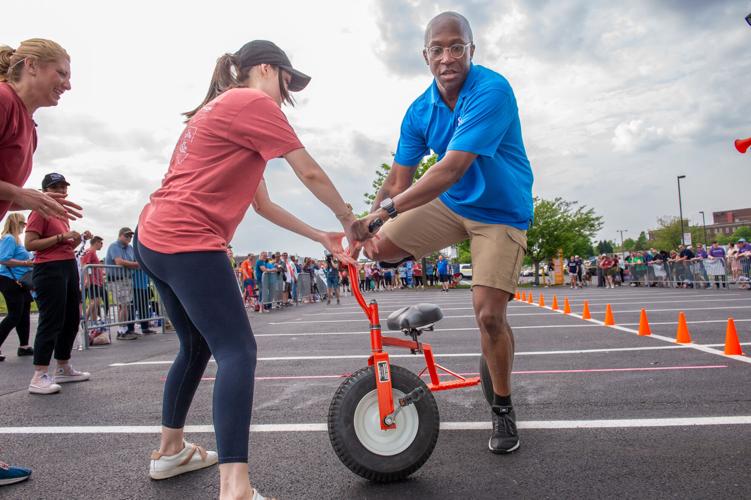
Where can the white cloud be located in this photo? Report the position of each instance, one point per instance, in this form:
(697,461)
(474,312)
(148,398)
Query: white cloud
(615,98)
(635,136)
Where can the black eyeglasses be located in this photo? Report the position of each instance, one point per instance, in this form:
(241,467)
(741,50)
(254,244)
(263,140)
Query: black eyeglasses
(455,51)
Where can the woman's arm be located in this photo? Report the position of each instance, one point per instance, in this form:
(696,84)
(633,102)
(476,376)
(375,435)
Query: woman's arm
(34,242)
(316,180)
(269,210)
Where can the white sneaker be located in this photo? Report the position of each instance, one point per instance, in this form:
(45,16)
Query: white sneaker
(165,466)
(70,374)
(44,385)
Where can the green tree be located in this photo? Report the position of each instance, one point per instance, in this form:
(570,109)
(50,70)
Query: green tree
(668,236)
(629,244)
(641,242)
(559,224)
(605,246)
(742,232)
(383,171)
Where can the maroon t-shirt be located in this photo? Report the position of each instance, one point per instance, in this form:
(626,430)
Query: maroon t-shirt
(51,227)
(18,141)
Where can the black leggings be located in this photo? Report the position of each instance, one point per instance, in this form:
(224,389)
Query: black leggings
(59,299)
(18,301)
(199,292)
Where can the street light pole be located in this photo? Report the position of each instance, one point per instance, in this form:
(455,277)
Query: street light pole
(704,224)
(623,254)
(680,207)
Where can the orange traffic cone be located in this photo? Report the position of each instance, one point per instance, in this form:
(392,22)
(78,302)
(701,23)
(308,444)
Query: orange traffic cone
(524,297)
(555,303)
(682,336)
(530,300)
(566,306)
(541,303)
(732,345)
(609,320)
(585,311)
(517,296)
(644,324)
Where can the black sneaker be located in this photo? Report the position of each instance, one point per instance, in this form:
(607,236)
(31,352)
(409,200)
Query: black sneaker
(505,438)
(25,351)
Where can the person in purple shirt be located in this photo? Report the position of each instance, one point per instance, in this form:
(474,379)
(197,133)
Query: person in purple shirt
(715,264)
(698,264)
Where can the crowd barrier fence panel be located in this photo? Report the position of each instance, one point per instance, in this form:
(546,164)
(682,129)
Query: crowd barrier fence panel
(115,296)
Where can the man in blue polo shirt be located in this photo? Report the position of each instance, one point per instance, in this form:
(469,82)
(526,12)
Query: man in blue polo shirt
(480,188)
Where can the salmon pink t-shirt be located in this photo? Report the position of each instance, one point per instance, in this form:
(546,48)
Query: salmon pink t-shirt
(214,173)
(18,140)
(51,227)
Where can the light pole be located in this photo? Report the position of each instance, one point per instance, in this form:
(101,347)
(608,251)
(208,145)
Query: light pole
(680,207)
(623,254)
(704,225)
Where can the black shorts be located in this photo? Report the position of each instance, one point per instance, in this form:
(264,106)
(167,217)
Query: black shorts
(443,277)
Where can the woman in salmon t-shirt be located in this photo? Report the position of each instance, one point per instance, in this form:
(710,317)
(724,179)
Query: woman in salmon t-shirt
(215,173)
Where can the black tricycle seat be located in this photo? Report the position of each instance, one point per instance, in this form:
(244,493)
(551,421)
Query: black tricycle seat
(414,317)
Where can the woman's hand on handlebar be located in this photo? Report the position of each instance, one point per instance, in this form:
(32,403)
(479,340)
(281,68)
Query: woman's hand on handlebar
(333,243)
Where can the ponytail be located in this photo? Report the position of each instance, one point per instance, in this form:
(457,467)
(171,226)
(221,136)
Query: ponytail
(5,55)
(223,79)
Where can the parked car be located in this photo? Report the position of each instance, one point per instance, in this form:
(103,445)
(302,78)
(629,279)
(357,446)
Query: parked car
(466,270)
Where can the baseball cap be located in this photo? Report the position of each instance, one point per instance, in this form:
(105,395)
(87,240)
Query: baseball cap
(125,230)
(52,179)
(265,52)
(741,240)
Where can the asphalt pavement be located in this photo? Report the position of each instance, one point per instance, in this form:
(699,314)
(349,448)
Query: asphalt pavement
(602,411)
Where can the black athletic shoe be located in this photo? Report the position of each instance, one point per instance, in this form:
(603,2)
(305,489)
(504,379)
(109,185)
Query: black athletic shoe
(505,438)
(25,351)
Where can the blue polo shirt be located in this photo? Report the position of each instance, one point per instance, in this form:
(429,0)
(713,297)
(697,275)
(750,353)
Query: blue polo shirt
(497,187)
(124,252)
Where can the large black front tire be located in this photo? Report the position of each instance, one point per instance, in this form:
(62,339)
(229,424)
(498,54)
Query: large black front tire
(368,457)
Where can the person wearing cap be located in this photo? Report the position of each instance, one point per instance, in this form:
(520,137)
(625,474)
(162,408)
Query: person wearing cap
(479,189)
(215,174)
(58,294)
(121,254)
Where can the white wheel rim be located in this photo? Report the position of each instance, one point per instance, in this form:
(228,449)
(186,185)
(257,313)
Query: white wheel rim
(368,427)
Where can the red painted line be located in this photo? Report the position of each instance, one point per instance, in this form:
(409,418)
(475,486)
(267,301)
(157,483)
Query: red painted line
(523,372)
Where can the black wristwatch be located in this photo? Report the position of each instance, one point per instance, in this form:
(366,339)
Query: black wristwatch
(388,205)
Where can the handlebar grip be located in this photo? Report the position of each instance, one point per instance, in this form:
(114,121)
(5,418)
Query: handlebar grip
(375,225)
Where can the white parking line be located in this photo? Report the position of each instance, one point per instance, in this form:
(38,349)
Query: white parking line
(446,426)
(698,347)
(452,355)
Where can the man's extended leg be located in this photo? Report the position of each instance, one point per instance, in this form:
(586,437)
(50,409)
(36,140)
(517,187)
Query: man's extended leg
(497,342)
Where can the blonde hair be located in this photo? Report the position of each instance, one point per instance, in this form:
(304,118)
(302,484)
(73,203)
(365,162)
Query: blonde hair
(12,60)
(13,226)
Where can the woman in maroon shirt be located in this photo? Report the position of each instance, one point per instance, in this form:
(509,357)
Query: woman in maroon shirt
(32,76)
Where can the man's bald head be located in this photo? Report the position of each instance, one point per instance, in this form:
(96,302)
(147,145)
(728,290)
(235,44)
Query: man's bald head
(449,17)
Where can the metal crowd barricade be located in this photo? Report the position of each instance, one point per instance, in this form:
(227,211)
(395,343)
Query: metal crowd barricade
(724,273)
(115,296)
(272,287)
(304,287)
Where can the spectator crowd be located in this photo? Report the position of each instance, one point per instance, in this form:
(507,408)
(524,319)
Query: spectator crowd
(684,267)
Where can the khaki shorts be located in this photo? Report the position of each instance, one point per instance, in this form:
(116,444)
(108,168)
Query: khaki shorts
(122,290)
(497,250)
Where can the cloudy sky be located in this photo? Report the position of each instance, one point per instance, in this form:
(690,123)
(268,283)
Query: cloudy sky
(615,101)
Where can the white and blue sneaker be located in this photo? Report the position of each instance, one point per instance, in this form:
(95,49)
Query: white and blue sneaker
(12,475)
